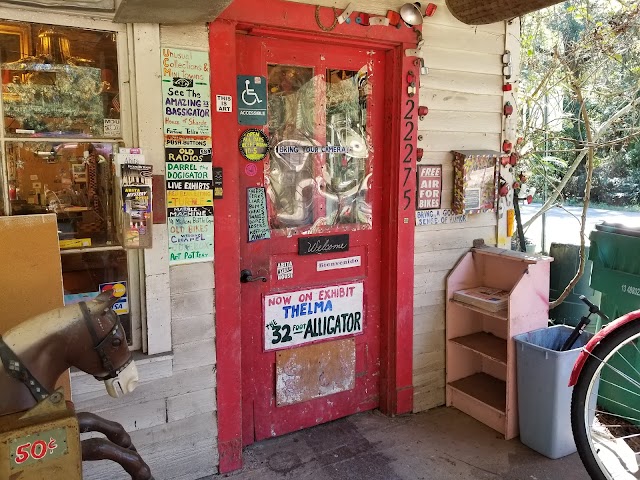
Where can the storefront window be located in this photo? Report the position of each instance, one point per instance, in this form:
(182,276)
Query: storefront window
(59,81)
(61,109)
(319,171)
(86,274)
(72,180)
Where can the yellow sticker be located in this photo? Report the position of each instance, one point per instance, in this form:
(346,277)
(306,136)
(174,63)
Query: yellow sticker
(75,243)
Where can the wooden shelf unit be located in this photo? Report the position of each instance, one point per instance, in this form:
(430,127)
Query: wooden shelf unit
(481,352)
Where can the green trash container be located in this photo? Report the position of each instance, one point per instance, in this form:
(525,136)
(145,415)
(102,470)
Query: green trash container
(566,260)
(616,274)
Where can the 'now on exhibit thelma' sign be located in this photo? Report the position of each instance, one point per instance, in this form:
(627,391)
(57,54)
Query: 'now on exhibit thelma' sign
(306,316)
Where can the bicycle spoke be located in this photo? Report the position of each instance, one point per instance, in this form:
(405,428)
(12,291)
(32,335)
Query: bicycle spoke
(622,374)
(602,380)
(619,352)
(624,417)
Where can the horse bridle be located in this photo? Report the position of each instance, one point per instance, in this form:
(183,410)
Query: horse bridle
(16,369)
(99,345)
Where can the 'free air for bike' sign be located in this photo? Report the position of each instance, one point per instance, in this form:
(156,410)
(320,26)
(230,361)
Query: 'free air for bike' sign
(252,100)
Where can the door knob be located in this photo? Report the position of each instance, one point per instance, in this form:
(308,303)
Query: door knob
(246,276)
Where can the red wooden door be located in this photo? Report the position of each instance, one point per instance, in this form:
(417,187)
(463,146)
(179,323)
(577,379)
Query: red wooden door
(311,228)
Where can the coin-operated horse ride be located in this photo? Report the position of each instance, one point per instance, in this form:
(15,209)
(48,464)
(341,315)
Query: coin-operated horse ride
(39,431)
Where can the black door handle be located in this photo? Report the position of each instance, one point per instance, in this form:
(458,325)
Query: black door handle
(246,276)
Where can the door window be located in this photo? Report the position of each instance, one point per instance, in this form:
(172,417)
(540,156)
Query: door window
(319,172)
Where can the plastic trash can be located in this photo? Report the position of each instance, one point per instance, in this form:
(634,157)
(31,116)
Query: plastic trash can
(544,397)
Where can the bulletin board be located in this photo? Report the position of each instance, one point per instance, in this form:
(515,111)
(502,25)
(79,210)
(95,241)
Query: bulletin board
(33,281)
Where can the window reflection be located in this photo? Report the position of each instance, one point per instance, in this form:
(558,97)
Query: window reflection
(319,172)
(59,81)
(85,274)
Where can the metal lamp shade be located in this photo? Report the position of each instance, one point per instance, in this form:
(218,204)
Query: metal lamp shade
(474,12)
(411,14)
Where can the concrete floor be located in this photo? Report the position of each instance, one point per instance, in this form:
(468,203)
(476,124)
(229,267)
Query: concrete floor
(440,444)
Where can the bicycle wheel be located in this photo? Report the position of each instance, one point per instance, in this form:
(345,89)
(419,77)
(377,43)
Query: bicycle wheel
(605,407)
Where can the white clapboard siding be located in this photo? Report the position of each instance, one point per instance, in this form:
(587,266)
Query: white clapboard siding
(185,449)
(463,91)
(172,413)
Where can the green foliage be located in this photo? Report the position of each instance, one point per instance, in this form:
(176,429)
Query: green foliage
(593,44)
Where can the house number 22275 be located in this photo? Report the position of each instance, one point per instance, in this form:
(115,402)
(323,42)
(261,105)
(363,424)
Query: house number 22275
(407,161)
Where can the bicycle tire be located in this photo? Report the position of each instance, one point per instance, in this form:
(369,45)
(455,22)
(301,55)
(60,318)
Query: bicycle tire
(605,350)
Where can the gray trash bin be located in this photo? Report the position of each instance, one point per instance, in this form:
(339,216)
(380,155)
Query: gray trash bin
(544,397)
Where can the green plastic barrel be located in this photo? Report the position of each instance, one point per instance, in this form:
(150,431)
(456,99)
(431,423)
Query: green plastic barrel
(616,274)
(566,260)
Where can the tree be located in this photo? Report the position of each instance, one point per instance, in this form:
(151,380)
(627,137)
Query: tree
(581,87)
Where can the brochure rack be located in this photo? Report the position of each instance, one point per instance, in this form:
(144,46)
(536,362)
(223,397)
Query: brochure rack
(481,369)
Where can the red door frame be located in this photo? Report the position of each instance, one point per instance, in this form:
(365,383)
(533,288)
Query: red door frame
(297,21)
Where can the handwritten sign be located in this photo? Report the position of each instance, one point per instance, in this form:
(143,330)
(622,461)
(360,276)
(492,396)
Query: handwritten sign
(187,154)
(323,244)
(429,187)
(254,145)
(186,97)
(188,171)
(257,222)
(306,316)
(438,217)
(189,198)
(190,234)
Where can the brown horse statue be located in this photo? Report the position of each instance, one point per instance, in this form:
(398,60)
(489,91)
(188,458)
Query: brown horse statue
(87,336)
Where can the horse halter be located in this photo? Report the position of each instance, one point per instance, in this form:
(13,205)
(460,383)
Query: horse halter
(99,345)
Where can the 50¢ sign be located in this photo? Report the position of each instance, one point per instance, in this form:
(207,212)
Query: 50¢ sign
(28,450)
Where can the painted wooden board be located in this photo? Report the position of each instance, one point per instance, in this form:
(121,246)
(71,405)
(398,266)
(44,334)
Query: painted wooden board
(315,371)
(32,283)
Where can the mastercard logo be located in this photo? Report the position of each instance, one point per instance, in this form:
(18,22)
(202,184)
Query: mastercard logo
(118,289)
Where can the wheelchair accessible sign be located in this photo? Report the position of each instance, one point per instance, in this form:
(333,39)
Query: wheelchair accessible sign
(252,100)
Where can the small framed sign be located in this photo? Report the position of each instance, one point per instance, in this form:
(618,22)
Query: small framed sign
(323,244)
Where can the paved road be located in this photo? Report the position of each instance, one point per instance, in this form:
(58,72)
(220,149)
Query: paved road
(563,224)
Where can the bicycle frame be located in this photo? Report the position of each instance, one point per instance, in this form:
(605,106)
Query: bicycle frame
(597,338)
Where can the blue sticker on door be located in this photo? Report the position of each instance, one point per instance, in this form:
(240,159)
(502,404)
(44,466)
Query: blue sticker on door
(252,100)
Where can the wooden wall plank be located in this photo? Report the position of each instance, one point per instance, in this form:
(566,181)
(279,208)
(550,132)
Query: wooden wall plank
(194,354)
(186,329)
(190,404)
(462,81)
(191,277)
(443,141)
(450,100)
(180,383)
(461,121)
(192,304)
(454,239)
(469,61)
(468,40)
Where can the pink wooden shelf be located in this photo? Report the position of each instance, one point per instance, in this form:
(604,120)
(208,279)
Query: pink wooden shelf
(485,344)
(484,388)
(481,356)
(501,314)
